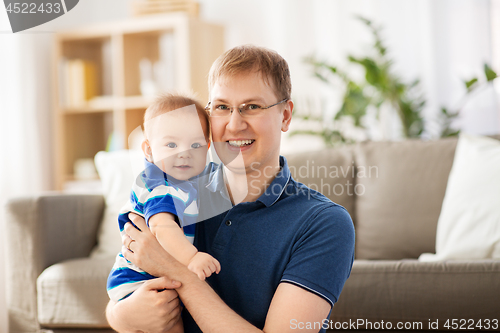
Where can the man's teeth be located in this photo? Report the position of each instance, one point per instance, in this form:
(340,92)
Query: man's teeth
(240,143)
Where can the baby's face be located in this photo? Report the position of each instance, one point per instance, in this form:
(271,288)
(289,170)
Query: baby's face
(178,144)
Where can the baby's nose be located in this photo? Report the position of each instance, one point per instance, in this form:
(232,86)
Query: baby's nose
(184,154)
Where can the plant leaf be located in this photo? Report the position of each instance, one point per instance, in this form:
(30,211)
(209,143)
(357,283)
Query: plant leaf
(321,77)
(449,133)
(364,20)
(332,69)
(470,84)
(490,73)
(354,104)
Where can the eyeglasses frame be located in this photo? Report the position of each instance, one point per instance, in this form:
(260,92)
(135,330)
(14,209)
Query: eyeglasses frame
(207,108)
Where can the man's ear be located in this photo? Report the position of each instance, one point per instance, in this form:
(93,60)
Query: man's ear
(287,116)
(146,149)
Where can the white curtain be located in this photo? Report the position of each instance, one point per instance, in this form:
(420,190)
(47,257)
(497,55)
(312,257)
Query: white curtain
(25,114)
(26,122)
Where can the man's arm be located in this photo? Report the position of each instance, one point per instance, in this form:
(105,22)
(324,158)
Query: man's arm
(289,303)
(291,306)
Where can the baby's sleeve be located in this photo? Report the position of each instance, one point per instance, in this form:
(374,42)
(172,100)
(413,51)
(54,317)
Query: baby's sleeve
(159,200)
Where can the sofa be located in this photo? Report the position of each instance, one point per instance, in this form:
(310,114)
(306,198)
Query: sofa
(393,190)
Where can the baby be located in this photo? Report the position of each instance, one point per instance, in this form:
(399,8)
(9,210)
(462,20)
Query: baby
(176,130)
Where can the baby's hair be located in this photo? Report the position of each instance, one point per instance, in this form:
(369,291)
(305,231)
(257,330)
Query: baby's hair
(167,102)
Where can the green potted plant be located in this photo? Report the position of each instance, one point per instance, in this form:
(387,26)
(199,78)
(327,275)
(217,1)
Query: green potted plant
(381,87)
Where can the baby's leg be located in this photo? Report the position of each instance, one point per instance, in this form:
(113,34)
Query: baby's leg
(125,278)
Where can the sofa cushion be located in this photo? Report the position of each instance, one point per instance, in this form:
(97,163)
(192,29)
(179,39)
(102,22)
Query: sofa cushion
(400,187)
(410,290)
(73,293)
(329,171)
(469,223)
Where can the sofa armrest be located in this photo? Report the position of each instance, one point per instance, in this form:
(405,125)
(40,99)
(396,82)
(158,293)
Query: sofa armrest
(41,231)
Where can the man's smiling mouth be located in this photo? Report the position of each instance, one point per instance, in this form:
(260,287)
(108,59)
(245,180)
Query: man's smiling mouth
(240,143)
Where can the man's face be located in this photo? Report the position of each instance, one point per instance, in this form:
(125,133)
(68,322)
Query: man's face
(178,144)
(257,138)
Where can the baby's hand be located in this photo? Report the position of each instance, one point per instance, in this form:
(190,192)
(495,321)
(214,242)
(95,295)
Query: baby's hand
(203,265)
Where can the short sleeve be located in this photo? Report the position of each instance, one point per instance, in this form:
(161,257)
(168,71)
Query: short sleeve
(159,200)
(322,257)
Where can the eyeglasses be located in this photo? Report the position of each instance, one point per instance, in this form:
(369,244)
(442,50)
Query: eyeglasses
(246,110)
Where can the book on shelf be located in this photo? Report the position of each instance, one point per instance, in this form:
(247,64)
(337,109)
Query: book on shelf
(79,82)
(146,7)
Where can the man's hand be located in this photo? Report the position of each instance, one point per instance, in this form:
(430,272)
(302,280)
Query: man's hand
(203,265)
(143,249)
(154,307)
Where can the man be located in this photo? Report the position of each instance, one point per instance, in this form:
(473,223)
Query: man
(285,250)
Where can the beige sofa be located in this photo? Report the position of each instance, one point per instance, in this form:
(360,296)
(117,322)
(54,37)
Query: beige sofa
(393,191)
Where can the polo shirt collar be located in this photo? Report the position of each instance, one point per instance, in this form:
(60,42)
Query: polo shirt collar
(278,185)
(216,180)
(272,193)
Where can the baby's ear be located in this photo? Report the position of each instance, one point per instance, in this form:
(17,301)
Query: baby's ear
(146,149)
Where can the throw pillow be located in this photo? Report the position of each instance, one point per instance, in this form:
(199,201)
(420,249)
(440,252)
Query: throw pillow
(469,223)
(117,170)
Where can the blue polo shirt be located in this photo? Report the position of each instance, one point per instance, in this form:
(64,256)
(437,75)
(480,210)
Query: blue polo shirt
(290,234)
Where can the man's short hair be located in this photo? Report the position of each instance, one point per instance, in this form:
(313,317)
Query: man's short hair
(248,58)
(167,102)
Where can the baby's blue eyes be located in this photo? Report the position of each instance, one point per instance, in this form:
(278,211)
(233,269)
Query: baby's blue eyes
(174,145)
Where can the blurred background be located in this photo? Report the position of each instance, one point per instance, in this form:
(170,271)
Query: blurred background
(361,70)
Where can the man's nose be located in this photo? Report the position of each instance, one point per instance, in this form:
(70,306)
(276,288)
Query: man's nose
(236,122)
